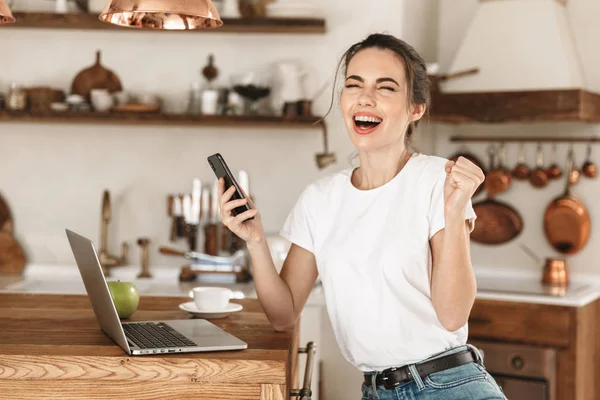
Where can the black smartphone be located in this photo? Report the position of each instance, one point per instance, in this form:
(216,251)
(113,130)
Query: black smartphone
(219,166)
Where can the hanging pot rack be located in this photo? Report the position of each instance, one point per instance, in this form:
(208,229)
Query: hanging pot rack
(571,139)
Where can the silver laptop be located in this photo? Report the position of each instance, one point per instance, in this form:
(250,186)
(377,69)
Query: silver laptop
(150,337)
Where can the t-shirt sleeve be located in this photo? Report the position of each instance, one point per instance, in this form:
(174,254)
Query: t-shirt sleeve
(297,227)
(437,220)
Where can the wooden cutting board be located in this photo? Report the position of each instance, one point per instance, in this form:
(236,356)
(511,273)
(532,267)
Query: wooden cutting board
(6,223)
(95,77)
(12,257)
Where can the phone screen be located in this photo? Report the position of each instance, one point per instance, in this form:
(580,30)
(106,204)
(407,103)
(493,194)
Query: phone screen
(221,170)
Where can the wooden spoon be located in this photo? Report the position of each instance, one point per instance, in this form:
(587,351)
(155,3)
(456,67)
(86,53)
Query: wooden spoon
(521,171)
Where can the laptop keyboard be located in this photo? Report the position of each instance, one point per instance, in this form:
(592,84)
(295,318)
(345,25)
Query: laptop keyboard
(149,335)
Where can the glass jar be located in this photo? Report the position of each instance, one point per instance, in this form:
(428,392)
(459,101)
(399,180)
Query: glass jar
(16,99)
(195,100)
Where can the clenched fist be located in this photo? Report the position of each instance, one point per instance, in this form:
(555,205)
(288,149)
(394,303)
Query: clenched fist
(463,177)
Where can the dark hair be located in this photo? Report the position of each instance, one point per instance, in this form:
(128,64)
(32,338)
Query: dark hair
(415,70)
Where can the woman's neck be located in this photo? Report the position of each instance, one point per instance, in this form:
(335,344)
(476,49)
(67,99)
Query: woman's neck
(377,169)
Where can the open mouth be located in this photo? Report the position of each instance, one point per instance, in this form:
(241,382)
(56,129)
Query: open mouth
(366,123)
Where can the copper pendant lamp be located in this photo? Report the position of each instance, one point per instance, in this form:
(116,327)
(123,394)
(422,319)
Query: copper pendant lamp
(6,16)
(162,14)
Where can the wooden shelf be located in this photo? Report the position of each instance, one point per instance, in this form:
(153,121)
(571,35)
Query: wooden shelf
(517,106)
(160,119)
(91,22)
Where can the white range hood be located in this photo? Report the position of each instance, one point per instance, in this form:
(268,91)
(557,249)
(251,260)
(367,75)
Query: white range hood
(518,45)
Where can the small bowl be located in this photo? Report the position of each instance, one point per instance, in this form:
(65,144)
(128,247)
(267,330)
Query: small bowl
(59,107)
(75,99)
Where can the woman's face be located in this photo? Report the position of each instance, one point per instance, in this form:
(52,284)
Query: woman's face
(374,100)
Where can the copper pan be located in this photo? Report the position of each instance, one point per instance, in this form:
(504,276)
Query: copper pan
(497,222)
(499,178)
(567,222)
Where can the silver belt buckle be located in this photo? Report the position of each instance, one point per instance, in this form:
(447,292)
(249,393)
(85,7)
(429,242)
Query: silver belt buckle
(385,379)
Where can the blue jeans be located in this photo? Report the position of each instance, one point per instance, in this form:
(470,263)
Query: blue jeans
(466,382)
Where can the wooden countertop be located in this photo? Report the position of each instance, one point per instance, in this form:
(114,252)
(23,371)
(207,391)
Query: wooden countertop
(52,344)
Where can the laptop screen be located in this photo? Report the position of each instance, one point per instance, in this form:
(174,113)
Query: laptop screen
(97,289)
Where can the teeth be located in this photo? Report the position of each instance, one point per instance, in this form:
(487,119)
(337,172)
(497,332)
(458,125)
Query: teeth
(364,118)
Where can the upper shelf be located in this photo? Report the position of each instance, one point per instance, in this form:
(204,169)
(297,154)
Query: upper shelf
(241,25)
(516,106)
(249,121)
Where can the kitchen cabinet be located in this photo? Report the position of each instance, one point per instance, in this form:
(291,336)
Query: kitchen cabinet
(532,349)
(541,351)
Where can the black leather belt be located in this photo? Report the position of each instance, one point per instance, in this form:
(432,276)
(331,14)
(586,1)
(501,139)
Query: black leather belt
(392,377)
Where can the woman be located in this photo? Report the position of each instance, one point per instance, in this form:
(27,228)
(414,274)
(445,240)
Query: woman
(389,240)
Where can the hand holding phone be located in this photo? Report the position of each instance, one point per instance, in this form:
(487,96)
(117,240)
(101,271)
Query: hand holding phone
(221,170)
(237,211)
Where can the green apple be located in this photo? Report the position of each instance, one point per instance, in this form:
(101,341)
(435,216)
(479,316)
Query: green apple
(125,296)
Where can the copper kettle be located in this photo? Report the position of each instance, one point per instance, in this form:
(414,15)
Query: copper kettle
(555,272)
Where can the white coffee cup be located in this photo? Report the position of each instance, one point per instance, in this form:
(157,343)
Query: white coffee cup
(211,298)
(101,100)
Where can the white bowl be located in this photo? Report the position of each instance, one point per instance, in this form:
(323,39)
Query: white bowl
(59,107)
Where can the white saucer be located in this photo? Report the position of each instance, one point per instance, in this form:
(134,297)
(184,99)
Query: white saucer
(190,307)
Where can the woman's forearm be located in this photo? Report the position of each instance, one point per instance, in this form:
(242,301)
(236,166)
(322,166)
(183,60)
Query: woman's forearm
(273,292)
(453,282)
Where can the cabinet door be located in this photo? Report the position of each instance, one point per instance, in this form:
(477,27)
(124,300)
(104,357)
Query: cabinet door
(310,331)
(524,371)
(522,389)
(521,322)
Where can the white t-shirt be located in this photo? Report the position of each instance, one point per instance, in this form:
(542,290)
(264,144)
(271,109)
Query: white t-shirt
(374,260)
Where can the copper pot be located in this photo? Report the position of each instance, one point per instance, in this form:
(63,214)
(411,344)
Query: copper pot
(554,171)
(521,171)
(499,222)
(499,177)
(555,272)
(567,222)
(589,168)
(539,177)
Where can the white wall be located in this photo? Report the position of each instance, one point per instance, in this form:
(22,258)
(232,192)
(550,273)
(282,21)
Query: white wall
(530,202)
(53,175)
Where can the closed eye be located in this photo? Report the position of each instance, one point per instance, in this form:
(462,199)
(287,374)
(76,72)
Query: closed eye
(351,85)
(391,89)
